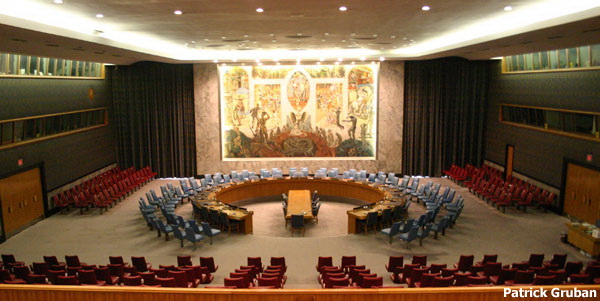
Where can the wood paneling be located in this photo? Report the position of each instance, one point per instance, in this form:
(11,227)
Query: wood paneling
(582,193)
(65,293)
(22,200)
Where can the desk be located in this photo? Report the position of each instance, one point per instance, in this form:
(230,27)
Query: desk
(299,202)
(361,213)
(577,237)
(245,217)
(366,192)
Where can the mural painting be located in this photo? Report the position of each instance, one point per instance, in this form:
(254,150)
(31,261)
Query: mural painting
(298,111)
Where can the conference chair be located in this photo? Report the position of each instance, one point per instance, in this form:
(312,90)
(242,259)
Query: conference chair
(209,262)
(192,237)
(297,223)
(369,222)
(140,264)
(424,233)
(410,235)
(392,231)
(209,232)
(315,212)
(324,261)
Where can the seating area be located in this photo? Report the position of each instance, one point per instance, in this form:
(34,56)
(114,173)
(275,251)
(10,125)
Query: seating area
(116,272)
(487,183)
(489,271)
(347,275)
(103,191)
(255,275)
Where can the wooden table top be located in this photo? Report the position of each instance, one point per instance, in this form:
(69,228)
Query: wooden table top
(362,212)
(299,202)
(232,213)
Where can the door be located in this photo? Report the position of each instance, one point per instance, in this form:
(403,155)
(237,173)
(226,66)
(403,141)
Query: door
(22,200)
(508,161)
(582,192)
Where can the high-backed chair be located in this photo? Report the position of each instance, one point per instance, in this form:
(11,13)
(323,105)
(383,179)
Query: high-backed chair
(208,231)
(192,237)
(140,264)
(209,262)
(297,223)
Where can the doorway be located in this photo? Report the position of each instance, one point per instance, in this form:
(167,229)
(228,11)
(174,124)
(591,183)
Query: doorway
(508,161)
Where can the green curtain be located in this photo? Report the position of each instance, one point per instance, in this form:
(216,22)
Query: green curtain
(154,117)
(444,114)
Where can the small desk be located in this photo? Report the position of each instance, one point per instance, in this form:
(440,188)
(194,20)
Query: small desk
(299,202)
(577,237)
(361,213)
(245,217)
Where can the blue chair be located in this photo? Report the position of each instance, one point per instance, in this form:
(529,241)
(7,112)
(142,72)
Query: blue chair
(421,221)
(370,222)
(226,223)
(226,179)
(297,223)
(208,179)
(181,222)
(410,235)
(166,229)
(315,212)
(178,234)
(183,195)
(386,217)
(402,185)
(208,231)
(193,237)
(194,226)
(195,185)
(423,233)
(440,227)
(185,188)
(151,200)
(392,231)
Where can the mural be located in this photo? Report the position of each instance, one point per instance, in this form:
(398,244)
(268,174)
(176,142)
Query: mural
(298,111)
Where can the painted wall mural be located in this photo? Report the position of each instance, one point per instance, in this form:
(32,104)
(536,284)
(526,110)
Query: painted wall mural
(298,111)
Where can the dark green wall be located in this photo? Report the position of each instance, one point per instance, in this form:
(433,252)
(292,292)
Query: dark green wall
(66,158)
(537,154)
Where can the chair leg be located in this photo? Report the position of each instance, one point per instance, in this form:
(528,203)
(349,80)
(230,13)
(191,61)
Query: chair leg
(210,239)
(435,235)
(421,242)
(166,236)
(194,249)
(181,243)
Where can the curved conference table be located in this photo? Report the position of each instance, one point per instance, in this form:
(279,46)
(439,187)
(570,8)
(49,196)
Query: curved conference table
(379,197)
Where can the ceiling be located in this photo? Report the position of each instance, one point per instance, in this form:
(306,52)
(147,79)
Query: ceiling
(232,30)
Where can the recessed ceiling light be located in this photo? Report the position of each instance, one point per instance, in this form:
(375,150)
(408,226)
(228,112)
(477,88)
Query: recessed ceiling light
(425,8)
(392,37)
(234,60)
(362,58)
(323,40)
(178,12)
(321,59)
(343,8)
(215,61)
(245,36)
(223,38)
(352,34)
(259,10)
(257,60)
(206,40)
(273,41)
(318,63)
(271,34)
(340,59)
(326,33)
(343,41)
(337,63)
(352,63)
(260,64)
(508,8)
(278,63)
(99,16)
(298,34)
(58,1)
(381,58)
(375,35)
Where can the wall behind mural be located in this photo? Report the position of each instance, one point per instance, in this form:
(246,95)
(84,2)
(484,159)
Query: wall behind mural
(278,112)
(389,118)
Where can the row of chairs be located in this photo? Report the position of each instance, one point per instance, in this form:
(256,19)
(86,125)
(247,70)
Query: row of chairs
(117,272)
(103,190)
(488,271)
(347,274)
(256,275)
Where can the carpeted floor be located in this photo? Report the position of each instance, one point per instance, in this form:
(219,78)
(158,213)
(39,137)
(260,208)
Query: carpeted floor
(480,230)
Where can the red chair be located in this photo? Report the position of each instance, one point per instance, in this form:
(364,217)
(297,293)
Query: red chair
(544,280)
(190,274)
(464,263)
(181,279)
(252,270)
(36,279)
(166,282)
(271,281)
(132,281)
(353,275)
(505,274)
(559,260)
(416,275)
(406,273)
(360,277)
(369,282)
(477,280)
(248,281)
(21,272)
(427,279)
(162,273)
(536,260)
(338,282)
(209,262)
(491,269)
(435,268)
(324,262)
(561,276)
(9,261)
(328,275)
(279,261)
(347,261)
(420,259)
(53,263)
(148,278)
(67,280)
(88,277)
(184,261)
(580,279)
(40,268)
(393,262)
(488,258)
(236,282)
(73,261)
(573,267)
(448,272)
(53,275)
(521,277)
(460,279)
(442,281)
(140,264)
(257,262)
(103,273)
